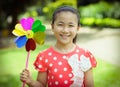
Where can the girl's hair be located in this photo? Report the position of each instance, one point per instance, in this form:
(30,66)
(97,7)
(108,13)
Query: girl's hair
(70,9)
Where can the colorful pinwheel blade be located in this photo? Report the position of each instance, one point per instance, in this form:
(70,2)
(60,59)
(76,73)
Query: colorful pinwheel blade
(37,26)
(20,41)
(18,31)
(39,37)
(42,28)
(30,45)
(27,23)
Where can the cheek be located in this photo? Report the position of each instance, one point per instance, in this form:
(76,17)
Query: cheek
(58,29)
(74,30)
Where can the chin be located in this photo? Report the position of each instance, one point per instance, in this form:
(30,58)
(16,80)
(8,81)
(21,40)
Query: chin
(65,42)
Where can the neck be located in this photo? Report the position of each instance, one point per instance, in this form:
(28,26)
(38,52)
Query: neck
(64,48)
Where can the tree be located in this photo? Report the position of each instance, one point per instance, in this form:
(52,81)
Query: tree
(12,8)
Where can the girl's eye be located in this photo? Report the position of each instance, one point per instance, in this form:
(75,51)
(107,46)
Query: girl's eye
(60,24)
(71,25)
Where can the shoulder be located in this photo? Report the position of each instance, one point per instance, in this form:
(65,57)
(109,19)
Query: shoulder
(47,52)
(82,50)
(86,55)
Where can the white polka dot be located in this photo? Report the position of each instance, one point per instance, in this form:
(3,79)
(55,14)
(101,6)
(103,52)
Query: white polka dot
(56,82)
(54,58)
(50,83)
(40,58)
(46,60)
(55,70)
(49,53)
(50,64)
(65,82)
(60,76)
(40,66)
(70,75)
(59,63)
(77,50)
(48,77)
(65,69)
(64,57)
(91,56)
(52,77)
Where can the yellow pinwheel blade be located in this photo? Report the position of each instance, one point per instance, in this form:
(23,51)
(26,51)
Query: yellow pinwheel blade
(19,31)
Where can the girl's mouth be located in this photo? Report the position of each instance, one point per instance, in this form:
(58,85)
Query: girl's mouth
(64,36)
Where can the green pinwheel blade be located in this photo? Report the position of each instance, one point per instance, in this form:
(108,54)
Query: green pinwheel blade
(37,26)
(42,28)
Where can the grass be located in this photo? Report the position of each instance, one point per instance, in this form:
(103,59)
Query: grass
(106,74)
(12,61)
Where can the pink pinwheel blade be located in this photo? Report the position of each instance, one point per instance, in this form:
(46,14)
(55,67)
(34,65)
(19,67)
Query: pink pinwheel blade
(30,45)
(27,23)
(20,41)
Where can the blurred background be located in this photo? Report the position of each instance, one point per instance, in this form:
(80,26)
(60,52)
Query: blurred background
(99,33)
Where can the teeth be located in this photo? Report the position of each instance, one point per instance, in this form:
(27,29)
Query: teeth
(65,36)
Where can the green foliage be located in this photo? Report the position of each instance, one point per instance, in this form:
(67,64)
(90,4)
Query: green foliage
(94,10)
(101,22)
(50,7)
(102,14)
(114,11)
(30,12)
(88,21)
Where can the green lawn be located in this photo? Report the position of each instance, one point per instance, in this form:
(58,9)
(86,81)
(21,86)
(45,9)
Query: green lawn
(12,62)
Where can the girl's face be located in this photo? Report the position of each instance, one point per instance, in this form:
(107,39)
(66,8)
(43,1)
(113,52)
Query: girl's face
(65,27)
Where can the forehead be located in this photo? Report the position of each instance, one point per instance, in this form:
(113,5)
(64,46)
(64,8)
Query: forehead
(66,15)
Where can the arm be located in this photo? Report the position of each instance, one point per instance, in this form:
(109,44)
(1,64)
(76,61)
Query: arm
(40,82)
(89,82)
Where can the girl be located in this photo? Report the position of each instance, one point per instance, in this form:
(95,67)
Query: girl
(65,64)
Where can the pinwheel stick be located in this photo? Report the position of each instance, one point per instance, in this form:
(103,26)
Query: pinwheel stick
(27,61)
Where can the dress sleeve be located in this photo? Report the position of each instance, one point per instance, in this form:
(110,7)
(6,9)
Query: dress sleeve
(92,59)
(87,61)
(40,63)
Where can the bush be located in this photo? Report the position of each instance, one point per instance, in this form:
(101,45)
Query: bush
(102,14)
(49,9)
(104,22)
(94,10)
(114,11)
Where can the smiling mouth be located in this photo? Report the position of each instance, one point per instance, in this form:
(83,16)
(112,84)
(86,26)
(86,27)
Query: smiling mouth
(64,36)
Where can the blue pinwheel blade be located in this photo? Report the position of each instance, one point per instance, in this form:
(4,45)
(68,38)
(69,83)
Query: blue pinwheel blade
(20,41)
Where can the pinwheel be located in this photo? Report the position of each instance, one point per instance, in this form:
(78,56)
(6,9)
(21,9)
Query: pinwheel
(29,32)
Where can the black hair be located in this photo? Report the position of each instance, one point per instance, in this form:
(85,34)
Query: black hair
(65,8)
(70,9)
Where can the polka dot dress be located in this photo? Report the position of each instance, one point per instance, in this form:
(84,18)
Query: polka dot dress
(65,70)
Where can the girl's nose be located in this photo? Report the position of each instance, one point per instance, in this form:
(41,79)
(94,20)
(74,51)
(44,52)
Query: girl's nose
(65,29)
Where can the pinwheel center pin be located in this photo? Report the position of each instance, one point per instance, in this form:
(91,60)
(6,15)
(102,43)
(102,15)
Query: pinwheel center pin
(29,34)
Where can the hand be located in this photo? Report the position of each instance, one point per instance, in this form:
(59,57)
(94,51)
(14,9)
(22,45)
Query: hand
(25,76)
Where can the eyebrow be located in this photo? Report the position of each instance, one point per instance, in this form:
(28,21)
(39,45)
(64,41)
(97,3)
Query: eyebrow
(63,22)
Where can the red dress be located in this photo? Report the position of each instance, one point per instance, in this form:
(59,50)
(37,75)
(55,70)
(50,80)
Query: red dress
(65,70)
